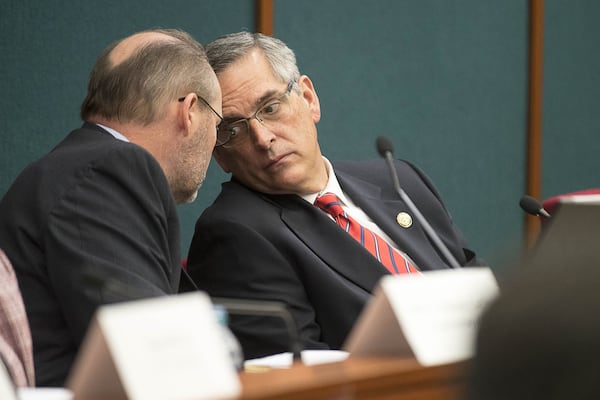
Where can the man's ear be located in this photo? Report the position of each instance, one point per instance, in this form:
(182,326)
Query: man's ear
(221,159)
(309,94)
(186,113)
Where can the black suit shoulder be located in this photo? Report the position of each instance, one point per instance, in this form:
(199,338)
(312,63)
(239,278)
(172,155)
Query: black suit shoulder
(92,203)
(83,154)
(376,171)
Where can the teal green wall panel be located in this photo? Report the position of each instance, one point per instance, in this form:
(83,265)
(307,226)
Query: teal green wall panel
(445,80)
(571,108)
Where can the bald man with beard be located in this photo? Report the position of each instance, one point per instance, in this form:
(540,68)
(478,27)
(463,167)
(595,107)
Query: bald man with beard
(103,201)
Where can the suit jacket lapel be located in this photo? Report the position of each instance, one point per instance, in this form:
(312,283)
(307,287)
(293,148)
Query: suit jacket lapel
(383,212)
(330,243)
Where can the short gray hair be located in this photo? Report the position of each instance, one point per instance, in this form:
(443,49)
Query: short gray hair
(227,49)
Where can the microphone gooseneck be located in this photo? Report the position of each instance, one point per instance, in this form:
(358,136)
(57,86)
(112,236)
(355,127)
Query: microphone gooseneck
(531,206)
(385,149)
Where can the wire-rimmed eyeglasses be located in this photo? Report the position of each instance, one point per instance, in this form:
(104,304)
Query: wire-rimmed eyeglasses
(273,110)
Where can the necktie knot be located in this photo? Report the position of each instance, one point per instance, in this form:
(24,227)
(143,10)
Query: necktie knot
(330,203)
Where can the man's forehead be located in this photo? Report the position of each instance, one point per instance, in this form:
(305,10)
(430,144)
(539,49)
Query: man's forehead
(247,85)
(245,100)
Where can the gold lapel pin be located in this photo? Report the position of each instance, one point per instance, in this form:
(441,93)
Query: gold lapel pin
(404,219)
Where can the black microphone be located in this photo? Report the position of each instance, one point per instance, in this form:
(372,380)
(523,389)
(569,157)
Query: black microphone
(385,149)
(531,206)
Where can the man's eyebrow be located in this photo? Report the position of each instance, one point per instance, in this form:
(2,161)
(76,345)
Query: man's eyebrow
(258,102)
(266,96)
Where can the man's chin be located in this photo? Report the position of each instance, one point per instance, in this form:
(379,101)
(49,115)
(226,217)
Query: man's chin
(186,198)
(192,198)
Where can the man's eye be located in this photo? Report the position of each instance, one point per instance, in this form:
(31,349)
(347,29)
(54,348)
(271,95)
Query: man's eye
(271,108)
(234,130)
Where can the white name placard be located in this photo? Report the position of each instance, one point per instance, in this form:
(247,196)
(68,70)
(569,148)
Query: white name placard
(162,348)
(432,317)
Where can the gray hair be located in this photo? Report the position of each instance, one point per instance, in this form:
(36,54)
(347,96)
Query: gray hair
(227,49)
(139,88)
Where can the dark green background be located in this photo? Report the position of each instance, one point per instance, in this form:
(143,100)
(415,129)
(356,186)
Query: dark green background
(445,80)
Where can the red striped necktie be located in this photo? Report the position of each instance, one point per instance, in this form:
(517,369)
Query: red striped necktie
(391,258)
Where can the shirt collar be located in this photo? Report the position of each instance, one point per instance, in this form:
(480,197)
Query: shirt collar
(116,134)
(333,186)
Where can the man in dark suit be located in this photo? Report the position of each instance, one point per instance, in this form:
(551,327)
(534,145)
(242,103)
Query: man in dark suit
(101,204)
(264,239)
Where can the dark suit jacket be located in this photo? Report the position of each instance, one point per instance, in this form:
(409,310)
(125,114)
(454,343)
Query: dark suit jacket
(249,245)
(96,204)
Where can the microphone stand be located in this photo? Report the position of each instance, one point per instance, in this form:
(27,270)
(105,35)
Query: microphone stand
(387,154)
